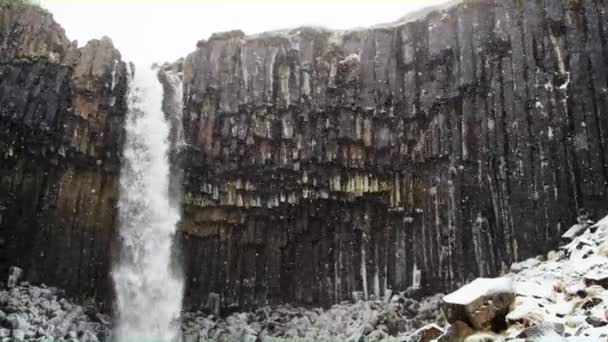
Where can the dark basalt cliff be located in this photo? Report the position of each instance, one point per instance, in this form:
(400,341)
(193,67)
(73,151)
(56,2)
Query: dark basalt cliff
(320,163)
(61,116)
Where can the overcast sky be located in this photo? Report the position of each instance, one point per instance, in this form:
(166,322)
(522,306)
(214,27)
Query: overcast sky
(160,31)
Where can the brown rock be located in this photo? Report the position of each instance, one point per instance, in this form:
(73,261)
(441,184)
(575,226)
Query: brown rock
(426,334)
(457,332)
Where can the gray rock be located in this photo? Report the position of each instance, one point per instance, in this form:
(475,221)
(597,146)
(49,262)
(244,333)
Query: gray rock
(18,335)
(15,321)
(545,331)
(358,296)
(596,322)
(14,273)
(597,277)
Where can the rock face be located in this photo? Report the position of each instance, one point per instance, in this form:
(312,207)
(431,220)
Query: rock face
(317,164)
(423,153)
(61,116)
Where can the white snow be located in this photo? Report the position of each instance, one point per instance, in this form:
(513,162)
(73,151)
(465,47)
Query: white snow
(479,287)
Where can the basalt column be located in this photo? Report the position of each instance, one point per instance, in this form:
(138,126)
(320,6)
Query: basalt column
(430,150)
(61,117)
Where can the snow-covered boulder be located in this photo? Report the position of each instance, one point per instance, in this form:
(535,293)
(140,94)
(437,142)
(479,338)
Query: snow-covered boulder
(482,304)
(597,277)
(574,231)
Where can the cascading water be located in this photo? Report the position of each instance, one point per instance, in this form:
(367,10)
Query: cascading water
(148,291)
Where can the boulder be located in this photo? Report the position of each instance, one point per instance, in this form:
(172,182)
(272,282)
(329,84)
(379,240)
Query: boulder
(15,321)
(597,277)
(483,304)
(426,334)
(596,322)
(574,231)
(14,273)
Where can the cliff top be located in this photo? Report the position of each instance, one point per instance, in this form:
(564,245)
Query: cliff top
(30,31)
(289,33)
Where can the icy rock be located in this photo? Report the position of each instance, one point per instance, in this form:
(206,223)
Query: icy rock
(4,332)
(528,312)
(483,303)
(14,273)
(574,231)
(554,255)
(597,277)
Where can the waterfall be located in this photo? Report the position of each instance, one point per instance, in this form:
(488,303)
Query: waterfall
(148,291)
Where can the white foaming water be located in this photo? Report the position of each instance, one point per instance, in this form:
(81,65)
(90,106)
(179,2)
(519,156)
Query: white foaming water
(148,291)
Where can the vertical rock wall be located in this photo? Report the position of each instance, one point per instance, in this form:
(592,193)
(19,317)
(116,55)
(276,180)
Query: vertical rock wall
(61,115)
(433,150)
(317,163)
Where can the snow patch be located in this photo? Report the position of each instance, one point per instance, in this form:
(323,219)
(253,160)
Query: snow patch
(479,287)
